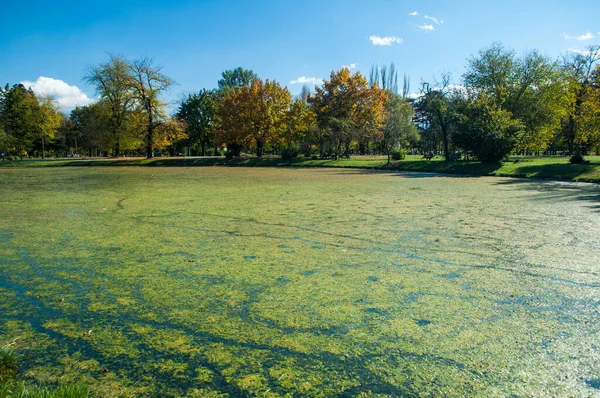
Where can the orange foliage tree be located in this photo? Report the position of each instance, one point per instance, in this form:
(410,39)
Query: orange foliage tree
(253,115)
(347,109)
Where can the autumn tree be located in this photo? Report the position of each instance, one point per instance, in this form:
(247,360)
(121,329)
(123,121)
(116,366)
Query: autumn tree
(253,115)
(299,120)
(113,85)
(147,83)
(198,114)
(347,108)
(48,119)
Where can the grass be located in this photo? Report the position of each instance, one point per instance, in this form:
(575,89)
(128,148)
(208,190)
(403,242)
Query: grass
(12,387)
(274,282)
(552,168)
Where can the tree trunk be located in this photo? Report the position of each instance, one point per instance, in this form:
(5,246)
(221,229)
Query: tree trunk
(150,138)
(445,142)
(259,149)
(43,148)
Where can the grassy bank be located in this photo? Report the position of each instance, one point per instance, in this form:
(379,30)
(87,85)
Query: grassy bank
(553,168)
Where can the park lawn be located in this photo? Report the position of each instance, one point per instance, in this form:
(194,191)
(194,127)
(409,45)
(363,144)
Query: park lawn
(218,281)
(551,168)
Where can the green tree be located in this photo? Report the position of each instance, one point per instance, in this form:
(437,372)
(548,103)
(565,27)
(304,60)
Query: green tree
(112,81)
(238,77)
(485,129)
(579,69)
(435,110)
(198,114)
(398,128)
(20,117)
(88,126)
(588,118)
(531,88)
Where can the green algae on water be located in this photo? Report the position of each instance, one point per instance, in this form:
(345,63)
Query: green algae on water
(279,282)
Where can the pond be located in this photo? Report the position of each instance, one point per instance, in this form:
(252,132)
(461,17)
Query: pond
(207,281)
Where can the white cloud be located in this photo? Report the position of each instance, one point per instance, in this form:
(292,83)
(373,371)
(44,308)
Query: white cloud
(351,66)
(414,95)
(585,36)
(435,20)
(413,14)
(65,96)
(578,51)
(385,41)
(426,28)
(307,80)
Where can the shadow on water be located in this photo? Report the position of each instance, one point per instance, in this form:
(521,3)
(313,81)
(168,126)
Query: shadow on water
(557,191)
(411,174)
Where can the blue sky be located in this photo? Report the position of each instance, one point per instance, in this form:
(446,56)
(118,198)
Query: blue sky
(195,41)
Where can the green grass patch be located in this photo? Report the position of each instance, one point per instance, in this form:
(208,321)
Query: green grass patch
(552,168)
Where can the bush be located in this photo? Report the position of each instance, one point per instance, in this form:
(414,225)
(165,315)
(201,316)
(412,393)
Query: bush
(290,152)
(398,153)
(576,158)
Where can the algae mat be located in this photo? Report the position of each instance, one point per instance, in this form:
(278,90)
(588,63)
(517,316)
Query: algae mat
(314,283)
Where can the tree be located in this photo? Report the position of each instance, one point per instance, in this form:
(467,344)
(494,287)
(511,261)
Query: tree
(254,115)
(20,117)
(89,127)
(579,68)
(434,107)
(113,84)
(48,121)
(147,83)
(385,77)
(238,77)
(588,118)
(198,114)
(530,87)
(485,129)
(347,109)
(398,128)
(297,122)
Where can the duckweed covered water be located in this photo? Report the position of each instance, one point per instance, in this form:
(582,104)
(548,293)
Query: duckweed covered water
(316,283)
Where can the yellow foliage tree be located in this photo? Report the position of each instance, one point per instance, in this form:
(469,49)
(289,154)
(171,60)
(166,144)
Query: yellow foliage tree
(253,115)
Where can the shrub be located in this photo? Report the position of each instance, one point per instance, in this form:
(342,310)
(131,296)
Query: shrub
(290,152)
(398,153)
(576,158)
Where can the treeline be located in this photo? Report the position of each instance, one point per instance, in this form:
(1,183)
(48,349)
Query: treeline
(503,104)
